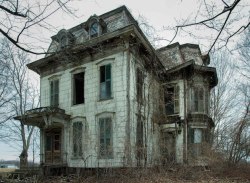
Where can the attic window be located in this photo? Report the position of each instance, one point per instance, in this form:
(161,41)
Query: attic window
(63,42)
(93,31)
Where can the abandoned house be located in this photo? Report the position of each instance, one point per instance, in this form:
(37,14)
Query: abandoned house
(109,99)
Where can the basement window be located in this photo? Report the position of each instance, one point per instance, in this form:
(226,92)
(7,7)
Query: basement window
(105,82)
(78,88)
(172,100)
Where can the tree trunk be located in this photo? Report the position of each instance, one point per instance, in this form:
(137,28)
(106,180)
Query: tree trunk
(23,159)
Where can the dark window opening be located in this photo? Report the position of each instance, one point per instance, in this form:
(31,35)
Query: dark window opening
(77,138)
(105,82)
(78,88)
(94,30)
(172,100)
(139,140)
(139,85)
(54,93)
(105,149)
(48,143)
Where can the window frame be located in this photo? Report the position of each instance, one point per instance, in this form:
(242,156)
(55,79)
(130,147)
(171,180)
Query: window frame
(175,99)
(74,89)
(97,31)
(78,143)
(106,81)
(109,151)
(139,84)
(54,101)
(198,103)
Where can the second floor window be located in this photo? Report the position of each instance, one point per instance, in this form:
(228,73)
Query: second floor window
(78,88)
(139,85)
(198,100)
(172,100)
(105,82)
(54,93)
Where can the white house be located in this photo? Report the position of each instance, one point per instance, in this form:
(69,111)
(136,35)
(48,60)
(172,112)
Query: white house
(109,99)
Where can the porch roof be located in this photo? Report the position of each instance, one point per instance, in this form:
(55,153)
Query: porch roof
(43,116)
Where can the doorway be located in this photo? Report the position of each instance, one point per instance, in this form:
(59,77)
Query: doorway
(53,146)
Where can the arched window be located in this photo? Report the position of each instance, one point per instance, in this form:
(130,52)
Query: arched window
(93,31)
(63,42)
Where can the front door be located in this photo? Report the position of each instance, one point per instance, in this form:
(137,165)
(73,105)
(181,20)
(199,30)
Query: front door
(53,146)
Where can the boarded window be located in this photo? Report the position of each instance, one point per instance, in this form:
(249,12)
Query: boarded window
(93,30)
(172,100)
(54,93)
(78,88)
(139,84)
(77,138)
(105,149)
(105,81)
(198,100)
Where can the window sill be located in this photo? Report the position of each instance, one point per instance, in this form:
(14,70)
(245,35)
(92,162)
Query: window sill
(75,105)
(76,157)
(102,100)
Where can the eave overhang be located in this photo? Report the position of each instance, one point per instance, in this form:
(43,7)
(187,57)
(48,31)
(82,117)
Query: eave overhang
(132,31)
(43,117)
(191,66)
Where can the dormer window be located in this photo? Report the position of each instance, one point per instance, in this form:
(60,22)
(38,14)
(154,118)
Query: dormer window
(93,31)
(63,42)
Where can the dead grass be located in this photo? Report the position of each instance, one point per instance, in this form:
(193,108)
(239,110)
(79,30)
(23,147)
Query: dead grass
(219,173)
(6,170)
(160,175)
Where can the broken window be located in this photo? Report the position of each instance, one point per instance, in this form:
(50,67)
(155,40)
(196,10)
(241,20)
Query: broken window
(54,93)
(77,138)
(78,88)
(172,100)
(105,126)
(105,81)
(139,84)
(198,99)
(94,30)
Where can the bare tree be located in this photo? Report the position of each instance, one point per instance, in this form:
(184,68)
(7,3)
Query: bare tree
(24,96)
(20,18)
(216,21)
(223,97)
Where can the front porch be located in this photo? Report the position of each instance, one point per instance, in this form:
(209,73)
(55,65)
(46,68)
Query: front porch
(53,124)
